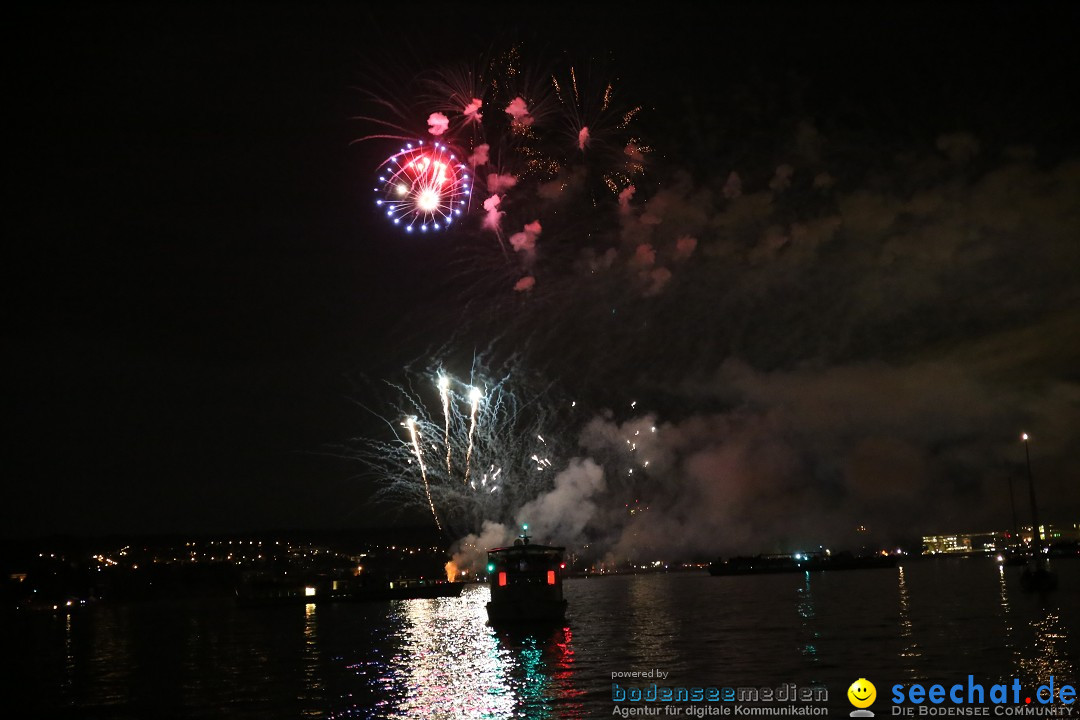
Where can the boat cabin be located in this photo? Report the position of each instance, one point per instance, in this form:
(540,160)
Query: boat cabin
(526,583)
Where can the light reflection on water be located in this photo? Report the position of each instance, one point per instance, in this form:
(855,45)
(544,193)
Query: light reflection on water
(1050,655)
(313,687)
(805,608)
(69,656)
(928,620)
(451,664)
(910,652)
(650,626)
(1007,632)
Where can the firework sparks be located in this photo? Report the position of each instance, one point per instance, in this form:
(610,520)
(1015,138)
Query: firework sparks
(485,423)
(600,129)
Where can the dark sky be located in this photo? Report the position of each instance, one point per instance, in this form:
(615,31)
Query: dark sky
(195,274)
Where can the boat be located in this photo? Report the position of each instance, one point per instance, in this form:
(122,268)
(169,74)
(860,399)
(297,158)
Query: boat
(1015,556)
(798,562)
(267,589)
(1037,575)
(526,583)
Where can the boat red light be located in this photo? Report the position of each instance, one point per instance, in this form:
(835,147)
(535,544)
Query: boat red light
(502,579)
(551,577)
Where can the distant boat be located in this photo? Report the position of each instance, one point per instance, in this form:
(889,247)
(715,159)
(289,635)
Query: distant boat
(526,583)
(799,562)
(1015,556)
(266,589)
(1038,576)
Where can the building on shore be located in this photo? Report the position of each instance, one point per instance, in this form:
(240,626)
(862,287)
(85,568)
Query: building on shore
(997,541)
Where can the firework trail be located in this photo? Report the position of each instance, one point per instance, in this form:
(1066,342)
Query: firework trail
(474,398)
(444,395)
(415,437)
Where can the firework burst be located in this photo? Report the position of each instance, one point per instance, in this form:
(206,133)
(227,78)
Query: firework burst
(531,138)
(595,130)
(466,450)
(423,187)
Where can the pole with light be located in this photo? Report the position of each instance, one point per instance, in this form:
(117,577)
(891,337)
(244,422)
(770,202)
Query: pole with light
(1036,539)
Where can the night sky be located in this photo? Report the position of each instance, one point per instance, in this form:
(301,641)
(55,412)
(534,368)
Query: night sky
(199,288)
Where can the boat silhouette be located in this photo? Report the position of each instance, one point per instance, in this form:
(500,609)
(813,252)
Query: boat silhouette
(526,583)
(1037,575)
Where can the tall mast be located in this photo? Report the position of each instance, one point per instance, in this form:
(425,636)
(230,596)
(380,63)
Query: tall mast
(1036,536)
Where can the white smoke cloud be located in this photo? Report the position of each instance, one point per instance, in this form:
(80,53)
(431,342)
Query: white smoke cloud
(561,515)
(807,455)
(557,517)
(470,552)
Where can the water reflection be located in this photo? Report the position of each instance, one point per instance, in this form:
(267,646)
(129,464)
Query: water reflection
(541,672)
(439,659)
(1008,639)
(312,700)
(451,664)
(1050,654)
(69,657)
(910,652)
(111,658)
(808,615)
(655,626)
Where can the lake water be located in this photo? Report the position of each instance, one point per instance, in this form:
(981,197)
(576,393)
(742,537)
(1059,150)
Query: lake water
(928,620)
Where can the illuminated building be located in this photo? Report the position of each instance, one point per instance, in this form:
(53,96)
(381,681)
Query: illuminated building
(992,542)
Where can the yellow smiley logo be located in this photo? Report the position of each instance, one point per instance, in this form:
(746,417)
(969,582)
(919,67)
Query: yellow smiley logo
(862,693)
